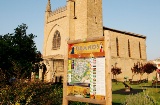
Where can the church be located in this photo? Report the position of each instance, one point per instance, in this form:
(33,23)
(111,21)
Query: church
(82,19)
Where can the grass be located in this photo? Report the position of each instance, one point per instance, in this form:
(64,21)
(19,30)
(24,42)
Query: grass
(119,95)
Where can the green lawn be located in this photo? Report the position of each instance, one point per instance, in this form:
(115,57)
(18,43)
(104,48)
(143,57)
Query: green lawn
(119,95)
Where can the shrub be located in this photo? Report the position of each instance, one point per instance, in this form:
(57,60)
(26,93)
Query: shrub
(139,99)
(32,94)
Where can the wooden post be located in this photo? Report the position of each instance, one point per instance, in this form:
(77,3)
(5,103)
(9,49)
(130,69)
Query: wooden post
(108,84)
(65,101)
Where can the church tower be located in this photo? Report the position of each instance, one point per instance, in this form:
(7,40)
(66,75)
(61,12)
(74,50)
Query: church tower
(46,18)
(48,11)
(85,18)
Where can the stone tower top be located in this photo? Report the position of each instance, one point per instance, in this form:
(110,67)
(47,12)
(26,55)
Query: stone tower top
(48,8)
(85,18)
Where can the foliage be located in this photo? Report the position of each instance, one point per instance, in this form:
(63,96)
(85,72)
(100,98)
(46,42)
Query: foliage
(31,94)
(116,71)
(140,99)
(136,69)
(18,53)
(149,68)
(140,68)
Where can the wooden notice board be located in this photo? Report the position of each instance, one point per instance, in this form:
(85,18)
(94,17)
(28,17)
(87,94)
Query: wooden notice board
(85,64)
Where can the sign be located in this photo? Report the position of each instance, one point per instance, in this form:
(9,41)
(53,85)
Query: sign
(86,70)
(88,49)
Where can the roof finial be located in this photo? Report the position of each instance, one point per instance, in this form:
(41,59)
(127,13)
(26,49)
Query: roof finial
(48,8)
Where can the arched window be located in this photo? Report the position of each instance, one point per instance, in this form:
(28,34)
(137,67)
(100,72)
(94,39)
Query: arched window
(140,50)
(56,40)
(117,46)
(129,50)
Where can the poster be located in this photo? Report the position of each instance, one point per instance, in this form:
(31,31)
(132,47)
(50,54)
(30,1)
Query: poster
(100,76)
(97,78)
(86,70)
(79,77)
(80,70)
(85,50)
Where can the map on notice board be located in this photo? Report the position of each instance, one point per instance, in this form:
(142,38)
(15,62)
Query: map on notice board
(80,70)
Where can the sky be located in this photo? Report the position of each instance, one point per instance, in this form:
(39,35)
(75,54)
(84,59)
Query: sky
(137,16)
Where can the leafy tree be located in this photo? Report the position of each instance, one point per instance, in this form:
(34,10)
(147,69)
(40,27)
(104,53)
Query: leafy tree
(149,68)
(18,53)
(135,69)
(116,71)
(141,70)
(138,69)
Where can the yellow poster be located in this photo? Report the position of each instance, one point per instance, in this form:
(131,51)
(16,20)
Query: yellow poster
(86,49)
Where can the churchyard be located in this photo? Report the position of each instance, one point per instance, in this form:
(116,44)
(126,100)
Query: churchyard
(40,93)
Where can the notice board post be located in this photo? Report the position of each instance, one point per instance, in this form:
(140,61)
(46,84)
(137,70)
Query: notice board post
(65,101)
(87,76)
(108,69)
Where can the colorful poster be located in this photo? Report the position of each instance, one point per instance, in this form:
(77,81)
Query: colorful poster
(79,77)
(100,76)
(86,77)
(80,70)
(88,49)
(86,70)
(93,76)
(97,78)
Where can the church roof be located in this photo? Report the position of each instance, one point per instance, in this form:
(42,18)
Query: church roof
(125,32)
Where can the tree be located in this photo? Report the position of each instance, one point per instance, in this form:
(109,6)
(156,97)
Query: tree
(135,70)
(140,68)
(116,71)
(18,53)
(149,68)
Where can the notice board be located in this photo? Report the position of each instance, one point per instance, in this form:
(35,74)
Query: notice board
(86,70)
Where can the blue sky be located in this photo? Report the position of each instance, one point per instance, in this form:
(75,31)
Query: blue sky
(137,16)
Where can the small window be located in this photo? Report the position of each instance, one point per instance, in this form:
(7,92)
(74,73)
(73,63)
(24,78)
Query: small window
(140,50)
(56,40)
(117,46)
(129,50)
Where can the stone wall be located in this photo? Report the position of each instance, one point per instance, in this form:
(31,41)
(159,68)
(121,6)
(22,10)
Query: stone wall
(122,59)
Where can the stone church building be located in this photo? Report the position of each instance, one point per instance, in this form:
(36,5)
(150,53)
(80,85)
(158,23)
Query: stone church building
(81,19)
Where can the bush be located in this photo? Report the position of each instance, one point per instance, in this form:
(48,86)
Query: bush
(32,94)
(139,99)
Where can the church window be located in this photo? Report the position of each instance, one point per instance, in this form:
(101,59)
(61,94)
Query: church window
(117,46)
(140,50)
(56,40)
(74,11)
(129,50)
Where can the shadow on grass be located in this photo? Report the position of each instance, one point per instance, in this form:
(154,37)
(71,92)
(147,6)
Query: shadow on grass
(151,86)
(116,103)
(123,92)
